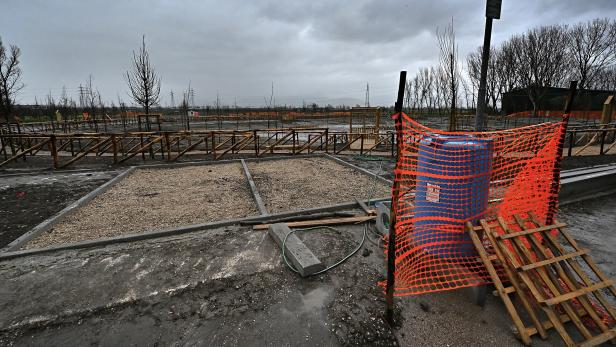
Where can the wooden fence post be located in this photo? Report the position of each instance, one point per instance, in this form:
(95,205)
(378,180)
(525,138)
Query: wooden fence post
(54,152)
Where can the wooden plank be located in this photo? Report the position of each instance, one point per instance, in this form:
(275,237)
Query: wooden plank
(569,283)
(599,339)
(331,221)
(548,324)
(511,275)
(554,260)
(577,268)
(364,207)
(517,321)
(532,231)
(572,295)
(533,286)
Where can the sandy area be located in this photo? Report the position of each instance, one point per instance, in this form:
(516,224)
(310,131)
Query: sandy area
(155,199)
(295,184)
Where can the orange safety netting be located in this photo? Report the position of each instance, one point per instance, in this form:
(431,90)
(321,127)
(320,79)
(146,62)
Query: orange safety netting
(444,179)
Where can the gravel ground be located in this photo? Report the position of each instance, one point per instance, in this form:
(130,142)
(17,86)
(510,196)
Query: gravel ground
(310,182)
(154,199)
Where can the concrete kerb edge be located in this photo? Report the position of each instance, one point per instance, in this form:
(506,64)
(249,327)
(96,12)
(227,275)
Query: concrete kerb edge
(53,220)
(176,231)
(253,189)
(50,222)
(357,168)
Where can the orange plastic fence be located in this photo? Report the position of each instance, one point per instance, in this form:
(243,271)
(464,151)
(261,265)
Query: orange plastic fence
(447,178)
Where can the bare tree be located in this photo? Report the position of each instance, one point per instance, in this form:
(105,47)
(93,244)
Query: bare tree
(606,79)
(473,68)
(493,80)
(91,98)
(50,109)
(541,60)
(592,47)
(10,79)
(506,67)
(449,67)
(142,80)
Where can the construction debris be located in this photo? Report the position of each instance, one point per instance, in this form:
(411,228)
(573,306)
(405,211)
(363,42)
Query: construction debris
(302,258)
(548,278)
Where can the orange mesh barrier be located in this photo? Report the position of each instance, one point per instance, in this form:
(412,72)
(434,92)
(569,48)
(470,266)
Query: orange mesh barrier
(445,179)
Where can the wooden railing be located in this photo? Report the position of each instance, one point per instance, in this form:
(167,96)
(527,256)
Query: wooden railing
(66,149)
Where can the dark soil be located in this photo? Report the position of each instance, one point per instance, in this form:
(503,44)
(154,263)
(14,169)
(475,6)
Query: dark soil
(28,200)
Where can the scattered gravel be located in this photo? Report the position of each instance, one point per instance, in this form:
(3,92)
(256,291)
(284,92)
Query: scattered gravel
(295,184)
(154,199)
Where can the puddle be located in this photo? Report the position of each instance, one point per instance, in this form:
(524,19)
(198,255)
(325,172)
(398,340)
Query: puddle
(316,299)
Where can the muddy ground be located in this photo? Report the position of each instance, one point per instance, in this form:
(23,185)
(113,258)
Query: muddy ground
(228,286)
(27,200)
(223,286)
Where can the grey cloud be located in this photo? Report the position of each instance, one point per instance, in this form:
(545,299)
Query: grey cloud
(314,50)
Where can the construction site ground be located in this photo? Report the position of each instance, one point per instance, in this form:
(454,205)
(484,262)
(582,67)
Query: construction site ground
(229,285)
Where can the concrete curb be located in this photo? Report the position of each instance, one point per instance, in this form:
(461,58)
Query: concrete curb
(255,192)
(586,171)
(53,220)
(587,186)
(176,231)
(357,168)
(50,222)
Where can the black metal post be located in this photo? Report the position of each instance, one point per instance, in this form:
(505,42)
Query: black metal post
(391,242)
(485,57)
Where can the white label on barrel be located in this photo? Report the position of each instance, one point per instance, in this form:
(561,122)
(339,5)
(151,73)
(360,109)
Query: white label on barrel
(433,192)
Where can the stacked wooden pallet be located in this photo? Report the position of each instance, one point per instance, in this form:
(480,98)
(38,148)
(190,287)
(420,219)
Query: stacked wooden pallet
(553,280)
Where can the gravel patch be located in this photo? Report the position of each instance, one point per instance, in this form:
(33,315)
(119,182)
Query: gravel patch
(295,184)
(154,199)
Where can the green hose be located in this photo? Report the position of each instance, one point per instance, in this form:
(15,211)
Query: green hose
(284,257)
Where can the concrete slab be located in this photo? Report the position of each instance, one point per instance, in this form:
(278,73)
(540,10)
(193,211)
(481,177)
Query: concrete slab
(300,256)
(587,186)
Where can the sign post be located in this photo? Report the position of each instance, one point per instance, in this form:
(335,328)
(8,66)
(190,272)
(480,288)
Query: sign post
(493,10)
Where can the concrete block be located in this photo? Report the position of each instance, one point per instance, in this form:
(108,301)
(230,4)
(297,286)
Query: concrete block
(297,253)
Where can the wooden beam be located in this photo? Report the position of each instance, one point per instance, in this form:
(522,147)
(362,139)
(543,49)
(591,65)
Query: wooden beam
(331,221)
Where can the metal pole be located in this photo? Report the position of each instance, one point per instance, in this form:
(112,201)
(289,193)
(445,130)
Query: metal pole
(493,11)
(485,58)
(391,242)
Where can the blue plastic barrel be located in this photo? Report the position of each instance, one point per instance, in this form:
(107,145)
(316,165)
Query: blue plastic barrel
(452,186)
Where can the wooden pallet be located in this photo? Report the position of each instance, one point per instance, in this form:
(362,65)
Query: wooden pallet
(547,278)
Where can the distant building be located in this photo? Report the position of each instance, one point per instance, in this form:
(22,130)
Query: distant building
(588,103)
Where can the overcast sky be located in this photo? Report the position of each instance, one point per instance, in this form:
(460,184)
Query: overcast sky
(313,50)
